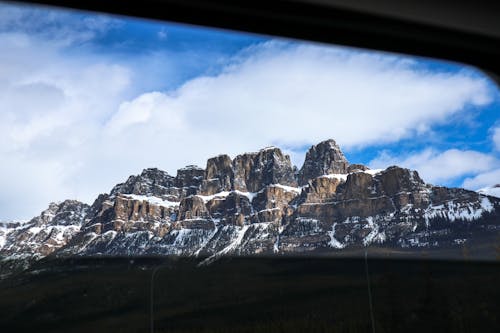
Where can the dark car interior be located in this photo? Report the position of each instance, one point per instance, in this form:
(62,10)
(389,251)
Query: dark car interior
(352,293)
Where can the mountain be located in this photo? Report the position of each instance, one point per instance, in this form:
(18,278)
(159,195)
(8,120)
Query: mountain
(258,203)
(493,191)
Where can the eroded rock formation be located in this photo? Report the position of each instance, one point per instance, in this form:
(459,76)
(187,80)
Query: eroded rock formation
(258,203)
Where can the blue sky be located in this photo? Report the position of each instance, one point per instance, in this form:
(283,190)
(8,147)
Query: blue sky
(87,100)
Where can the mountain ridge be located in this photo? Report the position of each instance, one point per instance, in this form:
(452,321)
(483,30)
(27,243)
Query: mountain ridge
(258,203)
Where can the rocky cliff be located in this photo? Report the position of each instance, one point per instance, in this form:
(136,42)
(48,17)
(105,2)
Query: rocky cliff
(259,203)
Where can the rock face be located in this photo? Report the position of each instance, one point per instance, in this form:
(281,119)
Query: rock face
(152,182)
(190,177)
(269,166)
(258,203)
(323,159)
(46,233)
(219,175)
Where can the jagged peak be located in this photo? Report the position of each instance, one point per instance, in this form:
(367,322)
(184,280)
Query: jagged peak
(330,142)
(412,174)
(149,181)
(62,212)
(323,158)
(266,150)
(152,170)
(218,157)
(190,167)
(357,167)
(191,176)
(57,205)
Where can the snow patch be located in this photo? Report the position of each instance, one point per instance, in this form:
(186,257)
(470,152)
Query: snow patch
(375,236)
(236,242)
(373,172)
(343,176)
(333,241)
(3,239)
(455,211)
(276,245)
(224,194)
(35,230)
(268,148)
(340,176)
(182,235)
(209,238)
(486,204)
(491,191)
(297,190)
(153,200)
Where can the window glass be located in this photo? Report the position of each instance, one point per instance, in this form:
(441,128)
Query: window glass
(121,136)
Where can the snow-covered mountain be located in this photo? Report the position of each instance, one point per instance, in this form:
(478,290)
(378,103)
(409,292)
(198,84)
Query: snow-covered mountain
(493,191)
(258,203)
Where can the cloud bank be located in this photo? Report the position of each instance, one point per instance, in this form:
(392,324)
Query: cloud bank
(302,94)
(496,137)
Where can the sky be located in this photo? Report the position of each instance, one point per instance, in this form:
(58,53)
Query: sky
(87,100)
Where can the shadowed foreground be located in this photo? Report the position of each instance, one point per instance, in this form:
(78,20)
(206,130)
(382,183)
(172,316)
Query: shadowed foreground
(252,295)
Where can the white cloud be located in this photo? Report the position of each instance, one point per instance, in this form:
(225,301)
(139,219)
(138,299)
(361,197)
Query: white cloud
(438,167)
(485,179)
(305,94)
(51,106)
(496,137)
(48,95)
(70,128)
(140,111)
(277,93)
(28,182)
